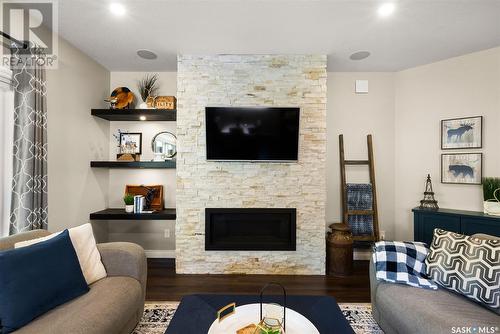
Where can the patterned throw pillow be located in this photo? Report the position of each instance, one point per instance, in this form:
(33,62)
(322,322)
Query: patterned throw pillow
(467,265)
(402,262)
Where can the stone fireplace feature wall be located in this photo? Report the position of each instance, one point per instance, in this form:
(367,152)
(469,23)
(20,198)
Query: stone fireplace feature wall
(251,80)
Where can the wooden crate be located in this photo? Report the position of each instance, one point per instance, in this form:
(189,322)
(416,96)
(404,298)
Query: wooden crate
(165,102)
(157,203)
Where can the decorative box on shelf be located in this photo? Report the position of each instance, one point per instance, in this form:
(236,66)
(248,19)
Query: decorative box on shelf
(166,102)
(128,157)
(152,193)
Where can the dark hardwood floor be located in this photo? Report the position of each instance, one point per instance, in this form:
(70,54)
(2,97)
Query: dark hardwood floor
(165,285)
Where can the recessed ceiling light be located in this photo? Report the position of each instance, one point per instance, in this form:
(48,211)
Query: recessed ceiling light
(386,9)
(142,118)
(359,55)
(117,9)
(146,54)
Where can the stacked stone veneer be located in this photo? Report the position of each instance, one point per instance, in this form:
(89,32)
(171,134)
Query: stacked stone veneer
(251,80)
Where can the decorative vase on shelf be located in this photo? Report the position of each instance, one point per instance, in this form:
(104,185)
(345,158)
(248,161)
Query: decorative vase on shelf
(129,208)
(148,88)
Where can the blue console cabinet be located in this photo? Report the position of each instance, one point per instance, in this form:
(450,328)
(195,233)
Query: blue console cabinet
(464,222)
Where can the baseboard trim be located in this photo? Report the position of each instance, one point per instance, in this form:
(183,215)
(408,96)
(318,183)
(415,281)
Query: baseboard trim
(160,254)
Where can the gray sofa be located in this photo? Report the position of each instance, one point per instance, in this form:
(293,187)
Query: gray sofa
(403,309)
(114,304)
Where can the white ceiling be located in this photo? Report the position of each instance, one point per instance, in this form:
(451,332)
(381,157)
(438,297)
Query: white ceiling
(419,32)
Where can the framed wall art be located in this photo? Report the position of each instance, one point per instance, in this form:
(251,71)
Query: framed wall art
(458,133)
(131,142)
(462,168)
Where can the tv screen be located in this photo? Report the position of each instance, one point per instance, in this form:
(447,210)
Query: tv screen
(235,133)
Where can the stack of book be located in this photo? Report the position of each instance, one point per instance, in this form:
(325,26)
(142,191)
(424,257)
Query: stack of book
(139,202)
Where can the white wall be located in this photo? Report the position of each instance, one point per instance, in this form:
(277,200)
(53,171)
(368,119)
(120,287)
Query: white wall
(402,111)
(75,138)
(118,178)
(355,116)
(149,234)
(463,86)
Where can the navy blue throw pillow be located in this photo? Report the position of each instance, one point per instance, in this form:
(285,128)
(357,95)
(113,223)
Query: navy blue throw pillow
(37,278)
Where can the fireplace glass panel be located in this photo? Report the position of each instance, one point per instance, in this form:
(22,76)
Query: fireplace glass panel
(250,229)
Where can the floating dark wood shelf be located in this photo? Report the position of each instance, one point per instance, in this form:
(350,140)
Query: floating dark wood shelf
(134,164)
(135,114)
(120,214)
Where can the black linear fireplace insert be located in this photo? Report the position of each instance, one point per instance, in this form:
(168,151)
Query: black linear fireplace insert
(250,229)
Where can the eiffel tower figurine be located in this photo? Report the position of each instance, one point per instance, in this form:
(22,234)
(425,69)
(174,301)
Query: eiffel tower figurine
(429,202)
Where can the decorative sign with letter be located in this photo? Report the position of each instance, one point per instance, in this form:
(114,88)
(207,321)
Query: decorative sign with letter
(165,102)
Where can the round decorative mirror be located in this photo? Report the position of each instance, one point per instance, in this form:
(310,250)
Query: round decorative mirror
(164,146)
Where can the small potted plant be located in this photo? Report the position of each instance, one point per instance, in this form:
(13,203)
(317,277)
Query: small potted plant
(491,195)
(148,87)
(129,203)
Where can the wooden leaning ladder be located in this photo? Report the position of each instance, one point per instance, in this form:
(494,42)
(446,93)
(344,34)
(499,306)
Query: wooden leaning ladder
(374,212)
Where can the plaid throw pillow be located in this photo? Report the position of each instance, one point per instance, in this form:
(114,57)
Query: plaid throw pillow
(402,262)
(467,265)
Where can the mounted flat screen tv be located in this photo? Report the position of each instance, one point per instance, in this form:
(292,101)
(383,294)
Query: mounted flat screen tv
(252,133)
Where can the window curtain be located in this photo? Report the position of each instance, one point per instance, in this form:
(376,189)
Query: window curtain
(6,136)
(29,184)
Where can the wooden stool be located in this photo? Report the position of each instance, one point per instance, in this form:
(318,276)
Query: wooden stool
(339,250)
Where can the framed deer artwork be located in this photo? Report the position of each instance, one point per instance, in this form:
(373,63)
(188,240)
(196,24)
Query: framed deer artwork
(462,168)
(460,133)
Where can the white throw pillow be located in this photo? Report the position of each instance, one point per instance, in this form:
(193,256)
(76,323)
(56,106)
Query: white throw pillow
(85,246)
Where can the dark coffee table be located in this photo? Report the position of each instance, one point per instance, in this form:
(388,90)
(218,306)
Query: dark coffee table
(196,313)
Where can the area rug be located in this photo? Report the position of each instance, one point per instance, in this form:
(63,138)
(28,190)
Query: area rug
(157,316)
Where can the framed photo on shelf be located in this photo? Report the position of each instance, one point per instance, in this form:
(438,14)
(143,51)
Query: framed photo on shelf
(131,142)
(462,168)
(458,133)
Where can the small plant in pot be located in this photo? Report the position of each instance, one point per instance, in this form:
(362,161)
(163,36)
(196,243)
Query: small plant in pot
(148,87)
(491,195)
(129,203)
